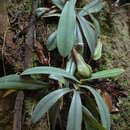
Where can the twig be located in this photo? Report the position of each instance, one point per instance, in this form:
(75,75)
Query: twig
(17,124)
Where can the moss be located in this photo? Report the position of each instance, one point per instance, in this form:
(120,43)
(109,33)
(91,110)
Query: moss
(116,41)
(123,117)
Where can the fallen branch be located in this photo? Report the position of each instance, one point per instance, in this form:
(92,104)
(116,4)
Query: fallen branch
(17,124)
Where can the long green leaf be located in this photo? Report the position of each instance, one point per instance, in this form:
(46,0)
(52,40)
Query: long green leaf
(51,43)
(78,39)
(107,73)
(66,27)
(75,113)
(97,26)
(78,35)
(70,66)
(49,70)
(103,110)
(89,33)
(60,79)
(54,111)
(59,3)
(73,68)
(90,104)
(93,7)
(14,81)
(87,126)
(98,50)
(47,102)
(90,121)
(48,15)
(41,11)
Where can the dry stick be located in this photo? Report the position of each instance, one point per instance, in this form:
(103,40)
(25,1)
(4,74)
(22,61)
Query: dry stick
(17,123)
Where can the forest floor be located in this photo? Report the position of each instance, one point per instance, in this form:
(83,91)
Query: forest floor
(116,35)
(115,28)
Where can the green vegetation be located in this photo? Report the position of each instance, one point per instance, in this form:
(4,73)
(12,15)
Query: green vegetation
(75,36)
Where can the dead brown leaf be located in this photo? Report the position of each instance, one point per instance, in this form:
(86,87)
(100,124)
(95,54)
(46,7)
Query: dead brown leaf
(108,100)
(39,51)
(8,92)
